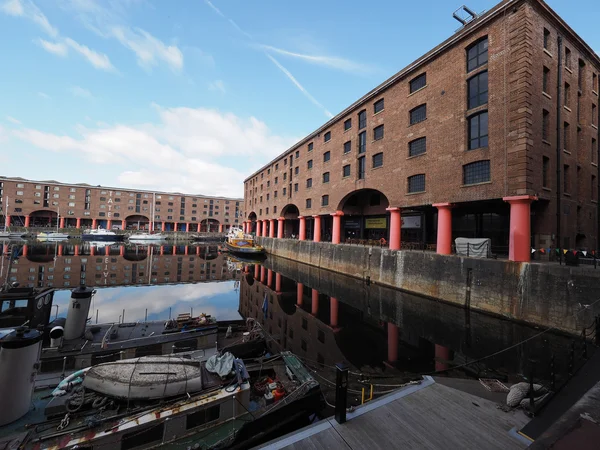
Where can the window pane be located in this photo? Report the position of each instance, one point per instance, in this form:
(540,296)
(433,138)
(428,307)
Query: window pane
(476,172)
(362,120)
(477,55)
(418,114)
(347,124)
(378,133)
(326,177)
(478,90)
(347,147)
(361,168)
(378,160)
(327,136)
(378,106)
(325,200)
(417,147)
(416,183)
(418,82)
(346,171)
(478,131)
(362,142)
(326,156)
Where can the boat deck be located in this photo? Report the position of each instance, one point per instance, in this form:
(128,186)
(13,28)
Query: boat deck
(428,415)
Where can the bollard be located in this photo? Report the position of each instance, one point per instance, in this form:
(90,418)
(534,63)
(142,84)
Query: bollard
(341,392)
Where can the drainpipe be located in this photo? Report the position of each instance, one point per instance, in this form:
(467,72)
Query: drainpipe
(558,147)
(598,193)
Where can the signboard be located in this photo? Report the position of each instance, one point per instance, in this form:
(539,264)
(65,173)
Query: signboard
(376,222)
(352,224)
(411,222)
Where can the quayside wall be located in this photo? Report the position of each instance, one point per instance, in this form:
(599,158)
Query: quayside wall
(541,294)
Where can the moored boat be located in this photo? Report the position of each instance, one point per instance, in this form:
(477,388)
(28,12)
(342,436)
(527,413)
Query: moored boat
(53,236)
(147,237)
(240,243)
(100,234)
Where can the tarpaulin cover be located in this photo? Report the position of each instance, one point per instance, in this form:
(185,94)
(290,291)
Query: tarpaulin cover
(221,365)
(475,247)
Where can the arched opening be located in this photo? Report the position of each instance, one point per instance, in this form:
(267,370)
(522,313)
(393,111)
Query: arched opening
(252,218)
(209,226)
(43,218)
(290,213)
(365,215)
(137,222)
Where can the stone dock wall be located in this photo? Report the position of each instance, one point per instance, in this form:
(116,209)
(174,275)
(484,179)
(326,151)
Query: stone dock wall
(541,294)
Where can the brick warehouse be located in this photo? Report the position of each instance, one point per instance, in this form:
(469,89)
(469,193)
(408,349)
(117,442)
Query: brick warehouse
(462,142)
(34,204)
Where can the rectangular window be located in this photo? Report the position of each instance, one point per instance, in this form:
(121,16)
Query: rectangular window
(297,154)
(580,76)
(309,183)
(476,172)
(308,203)
(346,170)
(327,136)
(545,170)
(568,58)
(309,164)
(595,82)
(418,114)
(347,147)
(546,39)
(567,96)
(477,54)
(326,156)
(594,151)
(416,183)
(297,170)
(325,200)
(274,194)
(417,147)
(378,106)
(418,82)
(378,133)
(594,115)
(566,136)
(478,130)
(478,90)
(326,177)
(546,80)
(362,142)
(377,160)
(362,119)
(295,187)
(594,187)
(566,179)
(310,147)
(361,168)
(284,191)
(545,125)
(347,124)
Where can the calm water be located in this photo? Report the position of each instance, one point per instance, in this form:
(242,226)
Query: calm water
(323,317)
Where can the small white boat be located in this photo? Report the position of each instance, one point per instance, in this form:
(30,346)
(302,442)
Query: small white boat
(53,236)
(144,237)
(12,234)
(147,377)
(100,234)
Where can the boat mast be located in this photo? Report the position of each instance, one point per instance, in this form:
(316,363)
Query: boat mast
(6,216)
(57,217)
(153,211)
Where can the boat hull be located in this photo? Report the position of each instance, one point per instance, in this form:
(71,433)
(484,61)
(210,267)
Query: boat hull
(254,250)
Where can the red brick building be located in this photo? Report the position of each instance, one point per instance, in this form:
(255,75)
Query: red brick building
(492,134)
(27,203)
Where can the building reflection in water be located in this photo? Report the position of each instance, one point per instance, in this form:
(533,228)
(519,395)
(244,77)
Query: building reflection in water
(142,281)
(378,334)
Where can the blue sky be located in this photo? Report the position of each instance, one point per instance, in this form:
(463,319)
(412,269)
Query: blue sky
(194,96)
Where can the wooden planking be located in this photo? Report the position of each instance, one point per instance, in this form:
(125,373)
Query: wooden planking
(435,417)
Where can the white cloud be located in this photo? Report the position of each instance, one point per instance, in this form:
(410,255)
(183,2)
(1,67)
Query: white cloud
(78,91)
(98,60)
(148,49)
(215,9)
(28,10)
(217,85)
(13,120)
(187,149)
(326,61)
(44,95)
(56,48)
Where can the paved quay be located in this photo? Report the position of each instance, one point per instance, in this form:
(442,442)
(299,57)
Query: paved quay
(429,415)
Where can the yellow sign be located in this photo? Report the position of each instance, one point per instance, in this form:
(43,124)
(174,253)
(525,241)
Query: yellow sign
(379,222)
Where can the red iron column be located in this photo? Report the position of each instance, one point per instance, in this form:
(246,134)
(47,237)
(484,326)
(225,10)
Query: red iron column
(337,227)
(272,228)
(302,228)
(333,312)
(317,230)
(280,225)
(395,228)
(444,232)
(27,221)
(519,247)
(264,228)
(299,294)
(314,304)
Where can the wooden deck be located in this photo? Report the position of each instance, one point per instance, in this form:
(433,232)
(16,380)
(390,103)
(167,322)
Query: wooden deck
(429,416)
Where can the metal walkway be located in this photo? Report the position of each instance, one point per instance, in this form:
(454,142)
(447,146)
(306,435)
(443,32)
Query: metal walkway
(429,416)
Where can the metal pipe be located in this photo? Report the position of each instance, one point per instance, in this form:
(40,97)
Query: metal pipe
(598,192)
(96,317)
(558,147)
(123,316)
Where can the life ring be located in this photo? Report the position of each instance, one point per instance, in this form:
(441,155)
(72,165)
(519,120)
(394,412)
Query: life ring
(382,241)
